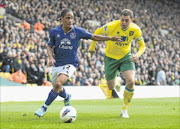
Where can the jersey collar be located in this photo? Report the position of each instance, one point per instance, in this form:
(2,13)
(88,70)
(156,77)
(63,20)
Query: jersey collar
(126,28)
(68,31)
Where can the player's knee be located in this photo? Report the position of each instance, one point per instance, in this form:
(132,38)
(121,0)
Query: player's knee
(57,86)
(110,87)
(131,83)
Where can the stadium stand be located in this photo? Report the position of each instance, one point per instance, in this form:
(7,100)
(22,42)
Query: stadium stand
(26,42)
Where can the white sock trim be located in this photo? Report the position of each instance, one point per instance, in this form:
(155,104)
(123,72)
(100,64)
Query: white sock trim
(46,106)
(125,105)
(66,96)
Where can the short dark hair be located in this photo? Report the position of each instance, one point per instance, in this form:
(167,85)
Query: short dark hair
(64,12)
(127,12)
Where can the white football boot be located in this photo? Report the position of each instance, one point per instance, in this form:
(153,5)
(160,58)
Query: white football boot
(124,114)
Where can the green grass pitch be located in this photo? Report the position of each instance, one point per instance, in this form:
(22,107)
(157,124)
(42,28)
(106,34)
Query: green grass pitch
(156,113)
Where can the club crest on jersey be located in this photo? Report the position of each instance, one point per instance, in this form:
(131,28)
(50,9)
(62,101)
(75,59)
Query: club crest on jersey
(118,33)
(73,35)
(131,33)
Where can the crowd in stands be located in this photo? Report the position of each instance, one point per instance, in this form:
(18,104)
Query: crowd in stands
(23,44)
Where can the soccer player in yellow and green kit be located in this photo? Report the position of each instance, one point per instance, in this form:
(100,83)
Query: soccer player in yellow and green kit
(118,54)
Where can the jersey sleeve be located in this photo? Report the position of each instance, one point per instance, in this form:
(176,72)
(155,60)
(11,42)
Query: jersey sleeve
(51,41)
(100,31)
(140,41)
(138,36)
(104,29)
(84,34)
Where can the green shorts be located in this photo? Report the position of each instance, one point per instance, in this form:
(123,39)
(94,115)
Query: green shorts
(113,66)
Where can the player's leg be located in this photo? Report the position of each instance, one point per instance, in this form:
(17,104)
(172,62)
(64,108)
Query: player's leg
(127,69)
(69,71)
(111,71)
(59,76)
(62,92)
(129,76)
(57,90)
(111,83)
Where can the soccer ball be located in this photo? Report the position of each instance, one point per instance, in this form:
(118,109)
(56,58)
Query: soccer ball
(68,114)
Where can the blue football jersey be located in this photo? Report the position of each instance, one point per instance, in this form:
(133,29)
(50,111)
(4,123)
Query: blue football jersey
(66,44)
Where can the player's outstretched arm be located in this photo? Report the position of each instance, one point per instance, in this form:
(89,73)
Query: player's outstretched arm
(50,55)
(93,43)
(101,38)
(105,38)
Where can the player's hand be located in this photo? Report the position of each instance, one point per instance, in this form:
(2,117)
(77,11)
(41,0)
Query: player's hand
(135,58)
(92,52)
(51,62)
(115,38)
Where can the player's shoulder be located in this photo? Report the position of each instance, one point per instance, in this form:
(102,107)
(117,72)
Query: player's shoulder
(134,26)
(53,30)
(113,23)
(77,28)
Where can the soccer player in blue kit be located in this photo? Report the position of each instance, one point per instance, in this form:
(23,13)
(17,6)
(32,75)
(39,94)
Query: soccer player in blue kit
(65,41)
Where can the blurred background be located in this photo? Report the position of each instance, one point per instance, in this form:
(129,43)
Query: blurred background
(24,32)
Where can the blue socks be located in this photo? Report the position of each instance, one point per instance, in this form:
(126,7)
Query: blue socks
(52,96)
(63,94)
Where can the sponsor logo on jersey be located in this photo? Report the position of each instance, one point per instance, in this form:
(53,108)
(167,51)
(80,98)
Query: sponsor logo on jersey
(121,44)
(65,44)
(123,38)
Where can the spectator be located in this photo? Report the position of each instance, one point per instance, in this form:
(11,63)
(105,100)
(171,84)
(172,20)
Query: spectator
(46,82)
(160,35)
(91,81)
(47,74)
(6,62)
(3,54)
(33,74)
(161,77)
(40,75)
(80,79)
(38,26)
(18,77)
(25,25)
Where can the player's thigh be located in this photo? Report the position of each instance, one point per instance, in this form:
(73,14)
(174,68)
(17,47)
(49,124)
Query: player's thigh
(61,79)
(129,76)
(127,64)
(66,71)
(128,71)
(111,83)
(111,68)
